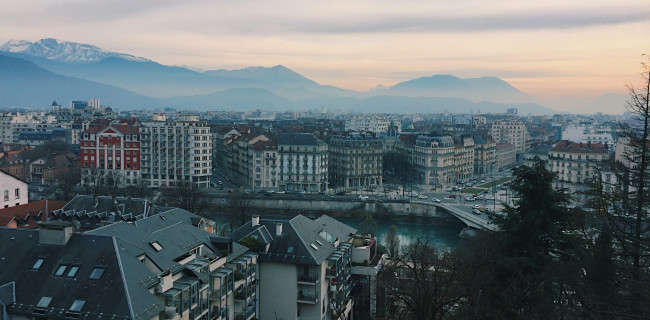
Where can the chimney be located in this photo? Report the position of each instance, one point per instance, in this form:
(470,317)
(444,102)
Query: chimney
(278,228)
(256,221)
(55,232)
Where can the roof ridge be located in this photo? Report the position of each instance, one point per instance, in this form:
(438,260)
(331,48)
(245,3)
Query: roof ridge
(126,288)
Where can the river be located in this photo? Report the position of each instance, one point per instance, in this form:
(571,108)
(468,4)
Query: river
(445,235)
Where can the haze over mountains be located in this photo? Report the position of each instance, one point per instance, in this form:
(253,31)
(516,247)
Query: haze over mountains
(34,74)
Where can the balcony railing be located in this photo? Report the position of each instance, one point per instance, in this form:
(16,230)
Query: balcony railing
(307,298)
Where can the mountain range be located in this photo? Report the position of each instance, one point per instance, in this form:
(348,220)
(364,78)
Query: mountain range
(33,74)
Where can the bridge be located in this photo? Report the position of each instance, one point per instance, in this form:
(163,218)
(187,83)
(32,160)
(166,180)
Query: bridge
(470,219)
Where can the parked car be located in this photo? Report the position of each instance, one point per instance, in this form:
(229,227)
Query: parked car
(476,206)
(468,198)
(436,200)
(476,211)
(422,197)
(220,182)
(482,181)
(449,189)
(451,196)
(363,198)
(231,191)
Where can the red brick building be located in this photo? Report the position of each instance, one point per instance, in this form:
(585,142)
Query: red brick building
(111,151)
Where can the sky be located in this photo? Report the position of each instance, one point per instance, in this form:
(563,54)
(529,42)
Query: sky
(548,49)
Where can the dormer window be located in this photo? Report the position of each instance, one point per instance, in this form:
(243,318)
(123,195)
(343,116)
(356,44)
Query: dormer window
(37,265)
(156,245)
(97,273)
(60,270)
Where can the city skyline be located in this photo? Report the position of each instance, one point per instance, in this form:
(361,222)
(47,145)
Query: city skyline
(548,50)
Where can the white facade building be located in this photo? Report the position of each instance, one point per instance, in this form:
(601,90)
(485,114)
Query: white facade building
(13,191)
(582,133)
(175,151)
(510,131)
(367,123)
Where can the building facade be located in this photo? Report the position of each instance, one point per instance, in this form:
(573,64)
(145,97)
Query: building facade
(176,151)
(506,156)
(110,152)
(576,163)
(355,161)
(303,163)
(510,131)
(485,156)
(14,190)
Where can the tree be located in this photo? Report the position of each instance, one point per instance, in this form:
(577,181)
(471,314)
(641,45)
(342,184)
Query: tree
(186,195)
(534,270)
(392,241)
(420,283)
(66,180)
(628,219)
(368,226)
(239,207)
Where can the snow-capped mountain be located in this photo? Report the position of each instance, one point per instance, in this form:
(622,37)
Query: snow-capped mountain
(65,51)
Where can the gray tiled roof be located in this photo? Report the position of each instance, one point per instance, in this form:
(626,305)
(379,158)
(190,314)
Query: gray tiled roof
(299,139)
(83,250)
(294,245)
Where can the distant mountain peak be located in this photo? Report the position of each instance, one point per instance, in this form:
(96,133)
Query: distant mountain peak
(71,52)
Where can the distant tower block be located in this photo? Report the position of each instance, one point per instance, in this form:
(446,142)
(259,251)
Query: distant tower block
(323,109)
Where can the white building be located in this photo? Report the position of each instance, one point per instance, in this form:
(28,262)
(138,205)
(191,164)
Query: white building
(303,162)
(14,190)
(367,123)
(175,151)
(583,133)
(510,131)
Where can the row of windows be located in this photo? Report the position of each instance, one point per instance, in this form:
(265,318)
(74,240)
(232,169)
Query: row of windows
(16,194)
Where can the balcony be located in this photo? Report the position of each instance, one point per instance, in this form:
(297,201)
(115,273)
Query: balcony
(307,278)
(307,298)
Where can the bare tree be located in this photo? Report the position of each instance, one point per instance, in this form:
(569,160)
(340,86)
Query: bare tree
(66,180)
(392,241)
(239,207)
(629,219)
(420,283)
(186,195)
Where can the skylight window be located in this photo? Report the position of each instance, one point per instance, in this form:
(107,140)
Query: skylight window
(44,302)
(38,263)
(319,243)
(73,271)
(60,270)
(97,273)
(77,305)
(156,245)
(290,250)
(313,246)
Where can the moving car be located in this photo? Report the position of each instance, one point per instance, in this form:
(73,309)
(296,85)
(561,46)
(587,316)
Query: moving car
(363,198)
(451,196)
(435,200)
(422,197)
(468,198)
(476,211)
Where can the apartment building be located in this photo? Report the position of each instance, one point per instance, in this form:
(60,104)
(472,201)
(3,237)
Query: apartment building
(355,160)
(463,158)
(431,159)
(305,266)
(14,190)
(575,163)
(245,163)
(110,152)
(127,271)
(365,123)
(303,162)
(484,156)
(176,150)
(511,131)
(506,156)
(264,173)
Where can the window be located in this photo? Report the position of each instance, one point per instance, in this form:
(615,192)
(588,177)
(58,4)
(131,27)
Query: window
(156,245)
(73,271)
(77,305)
(6,195)
(97,273)
(60,270)
(17,193)
(44,302)
(37,265)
